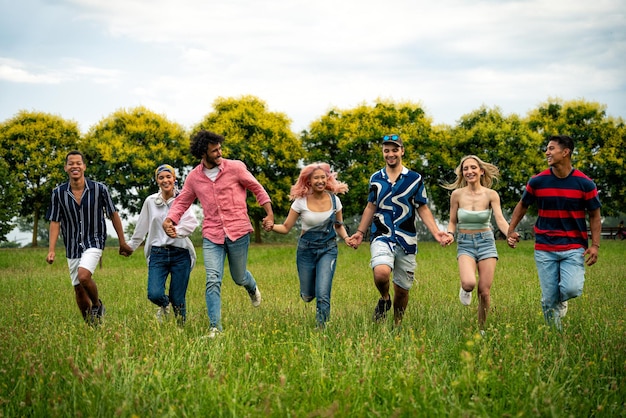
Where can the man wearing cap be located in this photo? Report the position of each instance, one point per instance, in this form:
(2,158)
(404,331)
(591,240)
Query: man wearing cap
(396,194)
(221,184)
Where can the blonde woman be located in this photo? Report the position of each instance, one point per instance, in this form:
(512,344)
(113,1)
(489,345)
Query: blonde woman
(472,204)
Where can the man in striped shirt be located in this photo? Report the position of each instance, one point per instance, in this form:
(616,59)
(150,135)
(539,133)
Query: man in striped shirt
(78,210)
(564,197)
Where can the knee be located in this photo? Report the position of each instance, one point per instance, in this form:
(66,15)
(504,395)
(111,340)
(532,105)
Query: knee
(306,298)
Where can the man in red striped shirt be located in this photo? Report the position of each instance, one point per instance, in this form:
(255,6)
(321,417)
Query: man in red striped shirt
(564,197)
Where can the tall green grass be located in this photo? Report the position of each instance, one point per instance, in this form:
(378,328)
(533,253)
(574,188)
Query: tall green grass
(272,361)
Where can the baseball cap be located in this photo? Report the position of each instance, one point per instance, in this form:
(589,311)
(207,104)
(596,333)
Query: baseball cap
(392,139)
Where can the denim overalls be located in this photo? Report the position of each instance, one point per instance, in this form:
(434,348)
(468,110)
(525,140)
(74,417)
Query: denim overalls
(316,259)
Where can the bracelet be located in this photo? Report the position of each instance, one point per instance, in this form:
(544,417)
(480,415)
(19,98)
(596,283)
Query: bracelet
(362,233)
(450,233)
(596,245)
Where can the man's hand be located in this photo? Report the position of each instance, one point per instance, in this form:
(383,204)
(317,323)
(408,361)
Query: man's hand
(512,239)
(50,257)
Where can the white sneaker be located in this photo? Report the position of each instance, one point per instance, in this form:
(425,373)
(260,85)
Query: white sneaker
(213,332)
(562,308)
(163,313)
(255,298)
(465,297)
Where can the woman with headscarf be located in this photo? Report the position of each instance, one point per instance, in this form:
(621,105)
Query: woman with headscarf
(166,255)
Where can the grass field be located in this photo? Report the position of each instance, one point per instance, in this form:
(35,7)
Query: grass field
(272,361)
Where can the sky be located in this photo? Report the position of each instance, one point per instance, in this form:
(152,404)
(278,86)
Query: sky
(85,59)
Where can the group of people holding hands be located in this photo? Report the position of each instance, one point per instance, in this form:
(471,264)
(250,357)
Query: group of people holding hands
(397,195)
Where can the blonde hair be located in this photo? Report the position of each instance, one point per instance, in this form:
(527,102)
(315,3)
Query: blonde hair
(303,188)
(491,174)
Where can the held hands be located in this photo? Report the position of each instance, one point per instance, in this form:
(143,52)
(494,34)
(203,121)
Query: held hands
(355,240)
(268,223)
(446,239)
(125,250)
(512,239)
(169,228)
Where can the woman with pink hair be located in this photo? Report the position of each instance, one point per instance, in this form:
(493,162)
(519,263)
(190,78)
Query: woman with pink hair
(316,204)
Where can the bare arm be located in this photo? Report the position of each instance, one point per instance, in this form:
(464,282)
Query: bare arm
(125,249)
(366,220)
(595,225)
(518,215)
(55,227)
(286,226)
(503,225)
(429,220)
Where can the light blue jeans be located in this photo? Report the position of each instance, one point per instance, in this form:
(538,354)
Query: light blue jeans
(561,277)
(214,258)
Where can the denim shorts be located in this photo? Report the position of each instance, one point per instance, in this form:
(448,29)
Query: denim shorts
(402,264)
(479,246)
(88,260)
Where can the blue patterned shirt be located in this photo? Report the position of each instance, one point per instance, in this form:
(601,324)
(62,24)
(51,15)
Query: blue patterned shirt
(82,226)
(396,205)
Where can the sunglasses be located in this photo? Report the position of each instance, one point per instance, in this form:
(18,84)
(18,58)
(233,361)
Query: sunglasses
(391,138)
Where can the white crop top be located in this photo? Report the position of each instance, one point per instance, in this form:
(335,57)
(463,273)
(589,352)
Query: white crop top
(309,218)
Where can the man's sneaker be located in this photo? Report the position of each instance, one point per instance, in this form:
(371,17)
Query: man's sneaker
(96,314)
(465,297)
(562,308)
(163,313)
(255,297)
(380,312)
(214,332)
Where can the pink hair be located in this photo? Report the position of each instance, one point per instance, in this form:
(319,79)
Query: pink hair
(302,187)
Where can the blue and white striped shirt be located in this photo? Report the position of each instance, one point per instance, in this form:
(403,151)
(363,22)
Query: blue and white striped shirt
(82,225)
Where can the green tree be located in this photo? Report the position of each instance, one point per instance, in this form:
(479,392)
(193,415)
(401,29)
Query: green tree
(264,142)
(350,141)
(34,145)
(124,149)
(9,198)
(505,141)
(599,140)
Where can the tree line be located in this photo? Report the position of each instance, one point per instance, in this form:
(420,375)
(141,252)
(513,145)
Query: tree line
(123,149)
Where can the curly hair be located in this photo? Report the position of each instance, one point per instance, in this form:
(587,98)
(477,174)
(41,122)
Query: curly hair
(303,188)
(200,142)
(492,173)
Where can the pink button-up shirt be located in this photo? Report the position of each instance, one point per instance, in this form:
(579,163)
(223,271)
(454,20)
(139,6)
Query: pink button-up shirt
(223,200)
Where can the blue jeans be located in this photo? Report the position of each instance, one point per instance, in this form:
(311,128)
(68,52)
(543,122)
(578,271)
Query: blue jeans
(316,264)
(214,258)
(163,262)
(561,277)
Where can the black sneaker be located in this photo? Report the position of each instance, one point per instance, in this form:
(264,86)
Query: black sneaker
(96,314)
(380,312)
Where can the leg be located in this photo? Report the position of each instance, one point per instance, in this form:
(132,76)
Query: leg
(323,283)
(158,269)
(467,272)
(400,302)
(549,277)
(486,272)
(382,277)
(305,262)
(237,261)
(214,256)
(83,301)
(572,274)
(180,270)
(403,278)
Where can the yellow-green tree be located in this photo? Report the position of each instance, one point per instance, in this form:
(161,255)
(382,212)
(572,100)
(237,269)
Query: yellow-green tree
(505,141)
(9,198)
(125,148)
(599,144)
(264,142)
(350,141)
(34,145)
